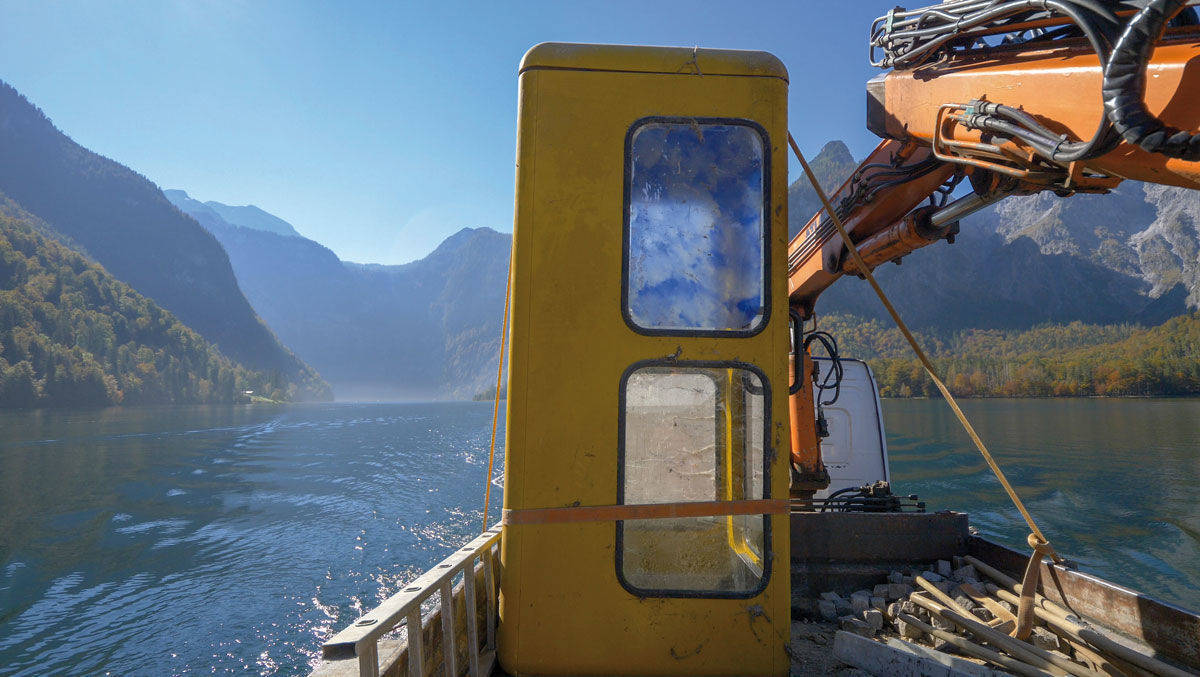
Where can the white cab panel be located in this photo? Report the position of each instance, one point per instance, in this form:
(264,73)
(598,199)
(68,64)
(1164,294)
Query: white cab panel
(855,453)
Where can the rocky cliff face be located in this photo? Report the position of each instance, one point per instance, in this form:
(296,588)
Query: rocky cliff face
(832,166)
(1129,256)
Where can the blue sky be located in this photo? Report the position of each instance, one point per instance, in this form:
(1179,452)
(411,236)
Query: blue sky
(376,129)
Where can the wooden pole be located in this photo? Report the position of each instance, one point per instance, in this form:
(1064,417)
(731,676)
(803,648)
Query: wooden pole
(972,649)
(1082,633)
(1025,652)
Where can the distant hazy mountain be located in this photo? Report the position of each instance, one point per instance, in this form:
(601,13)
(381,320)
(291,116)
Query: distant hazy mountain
(122,221)
(247,216)
(426,329)
(1131,256)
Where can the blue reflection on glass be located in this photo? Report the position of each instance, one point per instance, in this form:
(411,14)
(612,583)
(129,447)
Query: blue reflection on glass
(696,213)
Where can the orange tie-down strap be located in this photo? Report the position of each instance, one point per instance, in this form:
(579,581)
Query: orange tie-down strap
(645,511)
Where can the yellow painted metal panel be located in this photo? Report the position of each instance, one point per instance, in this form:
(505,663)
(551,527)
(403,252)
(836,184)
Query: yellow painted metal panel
(670,60)
(562,608)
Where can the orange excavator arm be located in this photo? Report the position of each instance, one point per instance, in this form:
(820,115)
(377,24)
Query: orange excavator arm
(1012,97)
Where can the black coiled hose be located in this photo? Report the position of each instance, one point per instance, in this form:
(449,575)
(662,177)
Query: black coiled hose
(1125,85)
(800,344)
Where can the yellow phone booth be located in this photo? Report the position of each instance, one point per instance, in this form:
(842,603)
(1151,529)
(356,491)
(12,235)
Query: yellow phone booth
(646,472)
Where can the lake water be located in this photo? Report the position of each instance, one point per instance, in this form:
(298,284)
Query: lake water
(235,539)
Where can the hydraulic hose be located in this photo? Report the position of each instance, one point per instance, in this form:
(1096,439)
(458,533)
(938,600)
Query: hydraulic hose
(1125,86)
(918,36)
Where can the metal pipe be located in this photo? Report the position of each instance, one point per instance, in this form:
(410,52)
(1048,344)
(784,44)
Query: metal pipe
(961,208)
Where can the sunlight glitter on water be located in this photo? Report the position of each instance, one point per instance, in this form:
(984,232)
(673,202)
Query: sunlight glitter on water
(118,555)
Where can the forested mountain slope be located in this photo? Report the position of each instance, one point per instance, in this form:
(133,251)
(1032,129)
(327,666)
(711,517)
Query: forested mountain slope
(72,335)
(1074,359)
(122,221)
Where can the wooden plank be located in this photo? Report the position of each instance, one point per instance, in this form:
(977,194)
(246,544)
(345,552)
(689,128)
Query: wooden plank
(368,660)
(449,654)
(487,661)
(380,620)
(952,662)
(489,564)
(472,613)
(416,649)
(883,660)
(393,653)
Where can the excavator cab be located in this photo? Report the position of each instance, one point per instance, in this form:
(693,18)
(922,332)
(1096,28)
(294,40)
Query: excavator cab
(646,469)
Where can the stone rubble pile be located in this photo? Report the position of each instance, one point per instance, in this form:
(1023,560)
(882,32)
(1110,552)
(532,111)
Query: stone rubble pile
(956,609)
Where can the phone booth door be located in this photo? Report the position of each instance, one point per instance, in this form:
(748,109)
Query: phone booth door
(646,469)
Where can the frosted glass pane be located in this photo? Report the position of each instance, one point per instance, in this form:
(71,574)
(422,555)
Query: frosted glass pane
(696,227)
(693,434)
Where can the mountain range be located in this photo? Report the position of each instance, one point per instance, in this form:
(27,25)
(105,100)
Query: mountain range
(426,329)
(271,302)
(429,328)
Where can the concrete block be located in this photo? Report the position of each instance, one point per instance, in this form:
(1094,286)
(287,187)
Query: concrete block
(895,577)
(827,610)
(856,626)
(933,577)
(943,568)
(1044,639)
(909,631)
(879,603)
(882,659)
(880,590)
(873,618)
(942,646)
(953,662)
(964,573)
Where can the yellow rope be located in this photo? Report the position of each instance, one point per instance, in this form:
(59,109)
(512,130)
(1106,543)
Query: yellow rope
(487,491)
(912,341)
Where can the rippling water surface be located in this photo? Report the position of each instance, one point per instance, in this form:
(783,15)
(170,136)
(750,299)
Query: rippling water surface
(1112,483)
(235,539)
(222,539)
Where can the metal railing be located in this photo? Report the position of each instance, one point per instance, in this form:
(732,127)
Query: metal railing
(360,640)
